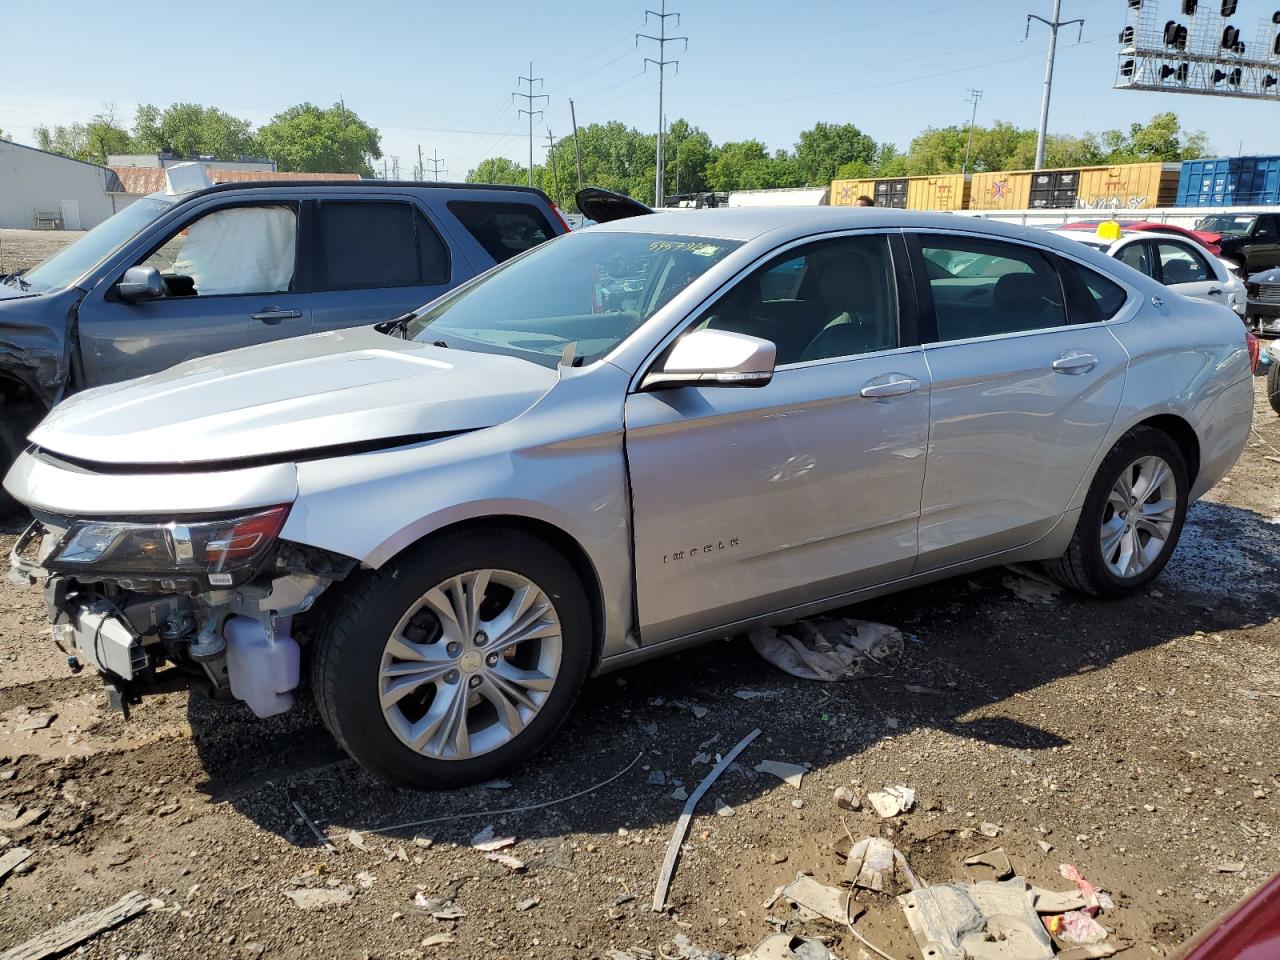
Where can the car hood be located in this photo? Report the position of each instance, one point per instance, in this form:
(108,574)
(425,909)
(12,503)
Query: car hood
(326,394)
(1266,276)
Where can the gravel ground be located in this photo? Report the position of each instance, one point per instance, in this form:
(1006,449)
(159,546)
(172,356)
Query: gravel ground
(1135,738)
(23,249)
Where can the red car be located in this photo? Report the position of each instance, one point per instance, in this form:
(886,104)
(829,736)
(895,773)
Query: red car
(1212,241)
(1249,931)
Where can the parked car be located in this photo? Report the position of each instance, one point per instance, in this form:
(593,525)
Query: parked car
(1210,241)
(1250,241)
(177,276)
(1180,264)
(1263,309)
(1250,930)
(455,518)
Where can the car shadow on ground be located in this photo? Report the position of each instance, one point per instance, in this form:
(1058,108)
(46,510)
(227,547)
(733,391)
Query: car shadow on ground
(972,645)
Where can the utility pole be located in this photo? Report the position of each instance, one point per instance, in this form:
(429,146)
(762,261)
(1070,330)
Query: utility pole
(420,172)
(528,99)
(395,167)
(436,166)
(974,97)
(384,168)
(1053,26)
(577,150)
(661,63)
(555,171)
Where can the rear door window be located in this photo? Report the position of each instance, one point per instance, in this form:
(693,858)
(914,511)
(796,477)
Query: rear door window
(363,245)
(502,229)
(986,287)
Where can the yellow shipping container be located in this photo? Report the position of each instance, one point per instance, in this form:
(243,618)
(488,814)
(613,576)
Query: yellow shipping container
(845,192)
(943,192)
(1000,190)
(1130,186)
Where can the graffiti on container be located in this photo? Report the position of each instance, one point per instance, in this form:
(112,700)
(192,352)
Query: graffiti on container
(845,195)
(999,188)
(1114,201)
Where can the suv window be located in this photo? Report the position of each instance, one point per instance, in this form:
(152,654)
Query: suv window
(365,245)
(503,229)
(1180,264)
(235,250)
(833,298)
(985,287)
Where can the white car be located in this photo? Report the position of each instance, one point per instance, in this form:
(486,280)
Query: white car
(1174,261)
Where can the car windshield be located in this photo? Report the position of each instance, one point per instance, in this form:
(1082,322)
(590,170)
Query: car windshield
(1227,225)
(590,289)
(71,262)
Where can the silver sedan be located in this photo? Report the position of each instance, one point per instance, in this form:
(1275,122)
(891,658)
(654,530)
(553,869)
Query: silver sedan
(643,435)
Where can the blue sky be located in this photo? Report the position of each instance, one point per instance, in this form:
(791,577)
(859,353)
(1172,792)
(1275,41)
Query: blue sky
(441,74)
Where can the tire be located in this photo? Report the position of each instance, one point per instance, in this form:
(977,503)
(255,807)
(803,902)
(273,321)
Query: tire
(1083,567)
(354,664)
(15,423)
(1273,384)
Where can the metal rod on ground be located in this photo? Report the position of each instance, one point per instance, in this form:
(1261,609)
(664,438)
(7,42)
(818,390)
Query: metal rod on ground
(686,815)
(577,150)
(311,825)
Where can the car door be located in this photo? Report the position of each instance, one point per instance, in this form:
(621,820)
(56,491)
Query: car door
(233,277)
(1022,398)
(377,259)
(1180,267)
(747,501)
(1264,243)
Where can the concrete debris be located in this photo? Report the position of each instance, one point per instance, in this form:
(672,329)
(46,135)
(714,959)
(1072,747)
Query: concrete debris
(697,710)
(830,649)
(356,839)
(441,908)
(892,801)
(12,860)
(1092,951)
(321,898)
(438,940)
(991,920)
(34,721)
(422,841)
(528,904)
(847,799)
(365,879)
(656,778)
(790,773)
(496,785)
(684,949)
(723,809)
(989,830)
(1234,867)
(487,841)
(511,863)
(870,864)
(680,793)
(1056,901)
(1044,845)
(996,859)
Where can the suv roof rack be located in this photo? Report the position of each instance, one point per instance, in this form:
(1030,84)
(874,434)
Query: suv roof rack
(366,184)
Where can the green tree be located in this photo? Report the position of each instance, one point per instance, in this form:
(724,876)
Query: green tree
(825,148)
(689,150)
(91,141)
(498,170)
(307,138)
(190,129)
(1161,138)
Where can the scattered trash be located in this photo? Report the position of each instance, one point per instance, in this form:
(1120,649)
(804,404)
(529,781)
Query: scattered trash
(1044,845)
(846,799)
(892,801)
(356,839)
(813,899)
(1236,867)
(1094,899)
(830,649)
(438,940)
(529,904)
(12,860)
(420,840)
(870,864)
(686,815)
(784,946)
(755,694)
(996,859)
(1032,591)
(511,863)
(365,879)
(723,809)
(685,950)
(989,830)
(442,908)
(321,898)
(1056,901)
(1078,927)
(991,920)
(790,773)
(486,840)
(63,937)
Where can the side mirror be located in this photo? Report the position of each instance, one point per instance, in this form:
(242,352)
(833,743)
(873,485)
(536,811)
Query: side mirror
(715,358)
(141,283)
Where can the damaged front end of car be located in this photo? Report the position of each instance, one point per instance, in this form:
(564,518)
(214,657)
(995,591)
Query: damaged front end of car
(207,601)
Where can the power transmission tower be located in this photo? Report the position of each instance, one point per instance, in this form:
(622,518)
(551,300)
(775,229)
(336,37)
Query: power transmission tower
(1053,26)
(436,162)
(661,63)
(974,97)
(555,171)
(528,99)
(420,171)
(577,150)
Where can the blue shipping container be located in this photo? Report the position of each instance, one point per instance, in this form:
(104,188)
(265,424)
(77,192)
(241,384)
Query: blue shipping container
(1229,181)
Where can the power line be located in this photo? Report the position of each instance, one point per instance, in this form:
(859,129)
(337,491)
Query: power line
(436,162)
(1053,26)
(661,63)
(974,97)
(529,98)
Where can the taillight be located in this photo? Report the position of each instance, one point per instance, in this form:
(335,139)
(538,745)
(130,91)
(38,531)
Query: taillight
(1254,346)
(559,216)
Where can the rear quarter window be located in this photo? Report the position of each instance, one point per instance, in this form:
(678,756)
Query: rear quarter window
(1091,297)
(502,229)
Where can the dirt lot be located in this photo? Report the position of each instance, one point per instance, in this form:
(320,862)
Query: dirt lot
(1136,738)
(23,249)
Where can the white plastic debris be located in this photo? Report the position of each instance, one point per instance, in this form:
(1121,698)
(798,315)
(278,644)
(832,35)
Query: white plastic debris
(870,864)
(830,649)
(790,773)
(487,841)
(892,801)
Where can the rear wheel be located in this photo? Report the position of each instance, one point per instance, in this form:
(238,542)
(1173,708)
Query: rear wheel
(1131,520)
(1273,384)
(455,663)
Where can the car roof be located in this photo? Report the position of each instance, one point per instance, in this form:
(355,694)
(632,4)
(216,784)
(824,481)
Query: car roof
(748,223)
(373,185)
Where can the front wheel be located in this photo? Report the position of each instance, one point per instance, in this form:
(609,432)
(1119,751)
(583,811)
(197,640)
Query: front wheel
(1273,384)
(454,663)
(1131,520)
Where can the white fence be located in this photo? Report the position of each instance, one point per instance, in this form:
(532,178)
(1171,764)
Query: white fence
(1177,216)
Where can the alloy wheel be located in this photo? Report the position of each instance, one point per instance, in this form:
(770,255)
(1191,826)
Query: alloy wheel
(470,664)
(1138,517)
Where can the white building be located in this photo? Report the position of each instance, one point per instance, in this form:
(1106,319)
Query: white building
(45,189)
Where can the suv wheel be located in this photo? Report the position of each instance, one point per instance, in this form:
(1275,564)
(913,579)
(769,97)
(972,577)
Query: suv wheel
(456,662)
(1131,520)
(1273,384)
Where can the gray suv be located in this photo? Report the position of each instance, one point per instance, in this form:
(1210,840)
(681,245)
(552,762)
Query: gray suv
(174,277)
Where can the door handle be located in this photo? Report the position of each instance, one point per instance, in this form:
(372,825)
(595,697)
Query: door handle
(1074,362)
(275,315)
(896,387)
(1214,292)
